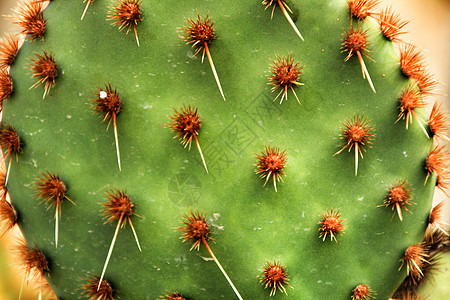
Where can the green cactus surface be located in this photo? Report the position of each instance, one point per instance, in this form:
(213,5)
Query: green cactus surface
(251,223)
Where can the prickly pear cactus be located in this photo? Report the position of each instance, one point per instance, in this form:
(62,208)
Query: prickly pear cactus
(314,195)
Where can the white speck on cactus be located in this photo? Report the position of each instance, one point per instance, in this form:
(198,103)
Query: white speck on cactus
(103,94)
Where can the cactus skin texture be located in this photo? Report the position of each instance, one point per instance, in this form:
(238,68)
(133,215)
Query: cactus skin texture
(251,224)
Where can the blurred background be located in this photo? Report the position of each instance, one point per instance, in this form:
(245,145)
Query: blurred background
(429,29)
